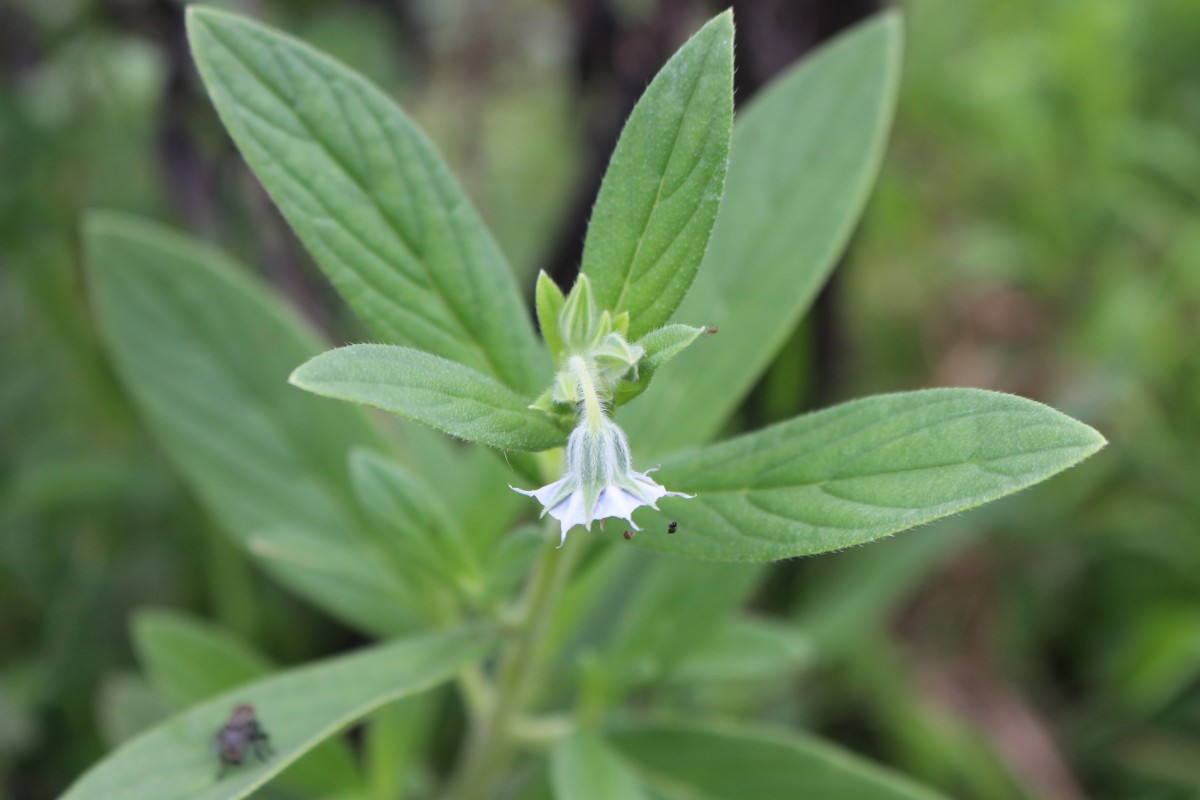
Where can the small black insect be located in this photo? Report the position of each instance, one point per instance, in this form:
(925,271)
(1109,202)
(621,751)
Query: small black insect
(628,535)
(241,733)
(674,526)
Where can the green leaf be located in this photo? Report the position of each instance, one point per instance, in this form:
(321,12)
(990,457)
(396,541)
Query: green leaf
(126,705)
(533,784)
(355,577)
(205,352)
(863,470)
(395,740)
(442,394)
(745,649)
(805,152)
(370,198)
(853,601)
(656,206)
(548,300)
(511,559)
(579,320)
(190,661)
(469,480)
(298,708)
(660,346)
(675,607)
(693,763)
(582,765)
(632,618)
(416,525)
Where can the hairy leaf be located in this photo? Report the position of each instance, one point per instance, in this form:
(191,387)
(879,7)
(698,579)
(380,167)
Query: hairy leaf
(435,391)
(659,198)
(660,346)
(863,470)
(804,155)
(369,196)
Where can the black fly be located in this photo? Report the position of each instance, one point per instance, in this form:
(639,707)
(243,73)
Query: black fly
(241,733)
(674,526)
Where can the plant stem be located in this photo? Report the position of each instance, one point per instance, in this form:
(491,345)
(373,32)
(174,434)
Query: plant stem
(593,412)
(491,746)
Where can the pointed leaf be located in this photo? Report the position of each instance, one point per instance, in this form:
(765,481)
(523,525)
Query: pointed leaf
(863,470)
(579,318)
(548,300)
(369,196)
(442,394)
(659,346)
(659,198)
(805,152)
(298,708)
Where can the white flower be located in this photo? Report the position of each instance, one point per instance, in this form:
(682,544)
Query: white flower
(598,479)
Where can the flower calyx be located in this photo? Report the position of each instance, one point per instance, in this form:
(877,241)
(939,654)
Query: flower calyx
(573,326)
(598,479)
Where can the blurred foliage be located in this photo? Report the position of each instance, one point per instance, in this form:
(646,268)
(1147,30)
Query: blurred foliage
(1036,229)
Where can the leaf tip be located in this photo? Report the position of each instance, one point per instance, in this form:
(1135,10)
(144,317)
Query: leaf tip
(198,14)
(97,223)
(196,17)
(722,28)
(1098,441)
(724,20)
(890,24)
(300,376)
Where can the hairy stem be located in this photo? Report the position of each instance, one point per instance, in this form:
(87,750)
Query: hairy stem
(593,412)
(491,744)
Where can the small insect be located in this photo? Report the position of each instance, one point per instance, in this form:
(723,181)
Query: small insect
(241,733)
(674,526)
(628,535)
(712,330)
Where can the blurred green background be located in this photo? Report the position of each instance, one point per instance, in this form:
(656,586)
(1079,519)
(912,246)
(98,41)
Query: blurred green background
(1036,229)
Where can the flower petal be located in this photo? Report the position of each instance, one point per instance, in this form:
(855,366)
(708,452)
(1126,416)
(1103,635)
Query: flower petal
(570,513)
(616,502)
(551,494)
(598,481)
